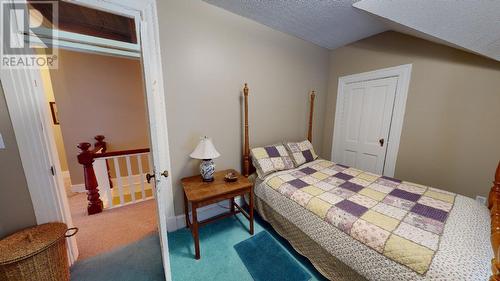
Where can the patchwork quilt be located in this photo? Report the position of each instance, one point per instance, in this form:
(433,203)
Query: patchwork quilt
(401,220)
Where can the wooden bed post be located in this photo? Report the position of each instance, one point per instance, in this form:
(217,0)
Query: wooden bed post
(311,114)
(494,206)
(246,145)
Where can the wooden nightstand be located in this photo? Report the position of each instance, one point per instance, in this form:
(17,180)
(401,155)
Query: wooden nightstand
(200,194)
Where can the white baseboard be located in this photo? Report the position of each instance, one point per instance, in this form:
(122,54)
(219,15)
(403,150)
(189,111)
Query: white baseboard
(178,222)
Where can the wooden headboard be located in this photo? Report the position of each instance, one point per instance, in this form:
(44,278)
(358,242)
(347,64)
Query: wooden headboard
(248,168)
(494,206)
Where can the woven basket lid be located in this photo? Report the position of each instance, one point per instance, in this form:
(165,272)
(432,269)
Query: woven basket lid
(30,241)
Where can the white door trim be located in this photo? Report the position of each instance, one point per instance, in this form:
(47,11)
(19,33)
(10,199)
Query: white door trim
(32,124)
(403,72)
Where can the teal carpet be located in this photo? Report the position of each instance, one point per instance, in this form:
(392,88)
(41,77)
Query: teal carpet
(141,261)
(256,253)
(219,260)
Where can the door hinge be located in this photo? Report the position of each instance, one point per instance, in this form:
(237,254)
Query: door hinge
(52,170)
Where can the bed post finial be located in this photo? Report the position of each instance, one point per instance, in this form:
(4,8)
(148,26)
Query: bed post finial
(246,146)
(311,114)
(494,206)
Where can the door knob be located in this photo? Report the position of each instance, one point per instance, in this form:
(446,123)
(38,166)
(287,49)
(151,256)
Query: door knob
(165,173)
(149,177)
(381,141)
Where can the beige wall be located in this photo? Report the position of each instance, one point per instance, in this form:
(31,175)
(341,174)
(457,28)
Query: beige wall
(208,53)
(99,95)
(451,131)
(49,95)
(16,209)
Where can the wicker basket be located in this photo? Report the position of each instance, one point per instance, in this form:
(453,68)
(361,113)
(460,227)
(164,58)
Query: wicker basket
(37,254)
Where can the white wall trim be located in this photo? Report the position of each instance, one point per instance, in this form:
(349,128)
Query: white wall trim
(403,72)
(33,126)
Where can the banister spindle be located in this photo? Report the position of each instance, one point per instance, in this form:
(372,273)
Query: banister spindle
(86,158)
(104,146)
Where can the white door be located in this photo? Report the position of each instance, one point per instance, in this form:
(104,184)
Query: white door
(159,146)
(364,125)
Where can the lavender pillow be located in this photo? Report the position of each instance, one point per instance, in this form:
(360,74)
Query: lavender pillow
(270,159)
(301,152)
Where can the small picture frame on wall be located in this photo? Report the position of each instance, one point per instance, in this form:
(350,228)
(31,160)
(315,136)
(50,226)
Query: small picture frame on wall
(55,115)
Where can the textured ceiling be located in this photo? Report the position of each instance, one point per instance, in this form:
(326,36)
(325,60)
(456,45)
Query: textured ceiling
(327,23)
(471,25)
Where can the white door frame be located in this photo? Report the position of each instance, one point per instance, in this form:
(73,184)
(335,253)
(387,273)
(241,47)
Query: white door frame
(32,125)
(403,72)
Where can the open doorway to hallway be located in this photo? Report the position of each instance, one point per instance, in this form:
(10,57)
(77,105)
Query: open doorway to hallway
(100,100)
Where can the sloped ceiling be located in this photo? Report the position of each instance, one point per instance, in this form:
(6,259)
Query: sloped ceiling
(327,23)
(472,25)
(469,25)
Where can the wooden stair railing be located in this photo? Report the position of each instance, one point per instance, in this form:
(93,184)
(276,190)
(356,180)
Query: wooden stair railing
(87,157)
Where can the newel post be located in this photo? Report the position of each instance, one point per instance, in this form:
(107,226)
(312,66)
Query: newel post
(86,158)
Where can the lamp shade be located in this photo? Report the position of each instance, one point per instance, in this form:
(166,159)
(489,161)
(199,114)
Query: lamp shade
(205,150)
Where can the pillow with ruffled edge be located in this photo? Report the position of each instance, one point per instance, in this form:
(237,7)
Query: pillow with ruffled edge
(270,159)
(301,152)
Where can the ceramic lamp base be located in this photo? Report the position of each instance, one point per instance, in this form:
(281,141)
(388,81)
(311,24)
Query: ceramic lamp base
(207,170)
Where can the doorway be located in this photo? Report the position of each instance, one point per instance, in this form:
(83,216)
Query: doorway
(32,119)
(369,119)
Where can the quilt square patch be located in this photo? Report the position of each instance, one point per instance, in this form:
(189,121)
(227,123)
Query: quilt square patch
(272,151)
(440,196)
(435,203)
(363,200)
(351,186)
(398,202)
(351,207)
(390,211)
(412,188)
(312,190)
(334,181)
(370,235)
(308,170)
(425,223)
(380,220)
(340,219)
(342,192)
(411,254)
(368,177)
(373,194)
(418,235)
(319,175)
(343,176)
(360,182)
(275,182)
(339,168)
(324,185)
(298,183)
(405,195)
(287,189)
(319,207)
(301,197)
(309,180)
(381,188)
(352,172)
(430,212)
(330,198)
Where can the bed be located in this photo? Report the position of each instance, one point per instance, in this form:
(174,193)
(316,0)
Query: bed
(457,247)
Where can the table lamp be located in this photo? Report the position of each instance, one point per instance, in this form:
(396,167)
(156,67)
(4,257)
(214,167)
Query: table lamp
(205,150)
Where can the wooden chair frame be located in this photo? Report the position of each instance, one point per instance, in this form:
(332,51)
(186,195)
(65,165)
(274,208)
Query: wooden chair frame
(493,198)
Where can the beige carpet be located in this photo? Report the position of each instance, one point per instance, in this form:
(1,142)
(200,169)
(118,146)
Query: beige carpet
(112,228)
